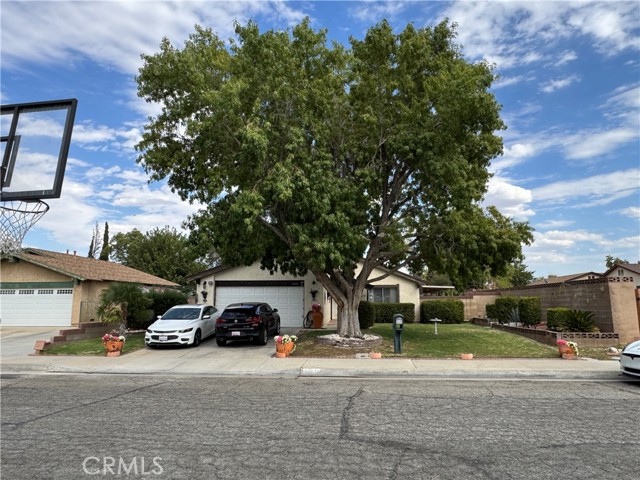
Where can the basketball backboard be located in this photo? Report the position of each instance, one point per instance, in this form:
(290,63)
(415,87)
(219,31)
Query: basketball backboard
(35,145)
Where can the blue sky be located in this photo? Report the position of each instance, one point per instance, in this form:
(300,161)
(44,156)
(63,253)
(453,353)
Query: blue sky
(569,85)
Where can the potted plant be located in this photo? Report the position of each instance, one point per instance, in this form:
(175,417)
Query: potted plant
(316,315)
(567,349)
(114,343)
(285,345)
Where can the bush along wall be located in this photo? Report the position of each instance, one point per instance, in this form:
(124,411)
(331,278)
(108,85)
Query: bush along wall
(378,312)
(503,308)
(449,311)
(530,309)
(557,318)
(526,310)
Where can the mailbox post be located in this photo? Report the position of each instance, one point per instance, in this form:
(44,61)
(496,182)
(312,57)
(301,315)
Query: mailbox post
(398,325)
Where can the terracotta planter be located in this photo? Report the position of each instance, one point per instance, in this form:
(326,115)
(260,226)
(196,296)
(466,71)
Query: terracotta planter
(283,350)
(466,356)
(114,347)
(375,355)
(317,319)
(565,350)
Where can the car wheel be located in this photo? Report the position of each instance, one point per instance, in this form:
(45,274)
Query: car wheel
(197,338)
(264,336)
(221,341)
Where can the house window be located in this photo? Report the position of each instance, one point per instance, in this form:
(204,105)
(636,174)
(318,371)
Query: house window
(384,294)
(621,273)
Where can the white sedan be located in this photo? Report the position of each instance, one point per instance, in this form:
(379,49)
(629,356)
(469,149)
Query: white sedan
(183,325)
(630,359)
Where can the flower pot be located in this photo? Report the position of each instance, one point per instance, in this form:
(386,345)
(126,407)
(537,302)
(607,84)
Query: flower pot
(568,356)
(466,356)
(375,355)
(317,319)
(283,350)
(565,350)
(114,347)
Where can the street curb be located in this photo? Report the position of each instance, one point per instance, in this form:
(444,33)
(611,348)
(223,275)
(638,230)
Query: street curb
(17,369)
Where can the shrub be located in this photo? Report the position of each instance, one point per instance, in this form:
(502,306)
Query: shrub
(378,312)
(530,309)
(504,307)
(366,314)
(492,311)
(161,301)
(557,319)
(125,297)
(580,321)
(449,311)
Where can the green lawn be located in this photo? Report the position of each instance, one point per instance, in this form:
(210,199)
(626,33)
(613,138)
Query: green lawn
(419,341)
(93,346)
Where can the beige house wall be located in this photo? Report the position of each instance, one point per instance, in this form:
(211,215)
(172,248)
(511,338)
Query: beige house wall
(28,272)
(409,292)
(24,272)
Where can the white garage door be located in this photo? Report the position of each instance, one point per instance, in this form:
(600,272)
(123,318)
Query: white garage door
(36,307)
(289,300)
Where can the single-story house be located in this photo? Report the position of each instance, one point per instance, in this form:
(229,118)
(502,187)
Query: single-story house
(624,272)
(574,277)
(42,288)
(292,295)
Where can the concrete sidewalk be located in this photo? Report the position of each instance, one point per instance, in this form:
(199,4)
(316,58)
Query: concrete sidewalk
(250,360)
(16,350)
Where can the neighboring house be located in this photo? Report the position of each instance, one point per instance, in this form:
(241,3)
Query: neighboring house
(622,271)
(567,278)
(292,295)
(40,287)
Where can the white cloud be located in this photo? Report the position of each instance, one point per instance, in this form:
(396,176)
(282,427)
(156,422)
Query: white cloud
(632,212)
(519,32)
(116,33)
(603,188)
(510,199)
(555,223)
(553,85)
(589,144)
(566,57)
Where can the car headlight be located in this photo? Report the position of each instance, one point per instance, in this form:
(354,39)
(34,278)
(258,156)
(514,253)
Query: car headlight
(149,330)
(186,330)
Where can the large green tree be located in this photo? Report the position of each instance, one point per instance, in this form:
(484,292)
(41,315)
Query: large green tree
(313,156)
(164,252)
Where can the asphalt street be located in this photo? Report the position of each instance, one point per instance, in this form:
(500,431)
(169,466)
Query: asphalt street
(63,426)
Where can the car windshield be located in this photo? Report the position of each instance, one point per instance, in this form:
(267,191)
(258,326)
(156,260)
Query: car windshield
(182,314)
(238,312)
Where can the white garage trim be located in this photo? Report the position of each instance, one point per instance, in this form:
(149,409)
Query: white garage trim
(287,297)
(36,307)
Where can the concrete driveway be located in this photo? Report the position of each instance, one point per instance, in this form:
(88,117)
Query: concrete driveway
(18,341)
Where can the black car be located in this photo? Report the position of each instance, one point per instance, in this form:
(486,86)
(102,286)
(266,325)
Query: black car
(247,321)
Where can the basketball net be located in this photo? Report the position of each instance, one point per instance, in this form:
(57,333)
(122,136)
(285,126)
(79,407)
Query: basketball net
(16,218)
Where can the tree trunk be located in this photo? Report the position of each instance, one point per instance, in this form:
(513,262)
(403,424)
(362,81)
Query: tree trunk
(348,324)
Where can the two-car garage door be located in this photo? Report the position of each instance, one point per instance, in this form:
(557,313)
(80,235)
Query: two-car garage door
(288,299)
(36,307)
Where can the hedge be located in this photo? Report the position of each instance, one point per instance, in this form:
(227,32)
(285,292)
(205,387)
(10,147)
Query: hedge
(366,314)
(530,310)
(504,307)
(557,318)
(382,312)
(449,311)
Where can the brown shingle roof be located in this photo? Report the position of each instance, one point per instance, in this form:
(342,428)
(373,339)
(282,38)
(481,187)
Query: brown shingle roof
(84,268)
(565,278)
